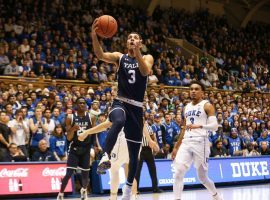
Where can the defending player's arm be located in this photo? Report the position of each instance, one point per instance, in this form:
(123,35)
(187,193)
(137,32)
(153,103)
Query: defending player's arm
(212,124)
(94,130)
(107,57)
(145,62)
(179,141)
(71,129)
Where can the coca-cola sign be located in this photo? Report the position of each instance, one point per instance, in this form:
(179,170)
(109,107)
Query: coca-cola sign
(19,172)
(61,171)
(32,178)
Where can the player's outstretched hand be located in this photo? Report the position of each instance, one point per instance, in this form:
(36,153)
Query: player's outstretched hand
(174,152)
(82,136)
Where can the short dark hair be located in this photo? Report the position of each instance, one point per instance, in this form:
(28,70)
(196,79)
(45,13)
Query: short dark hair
(198,83)
(79,98)
(133,32)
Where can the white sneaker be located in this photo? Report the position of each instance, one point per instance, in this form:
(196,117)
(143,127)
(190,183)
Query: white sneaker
(126,192)
(217,197)
(104,164)
(84,194)
(60,196)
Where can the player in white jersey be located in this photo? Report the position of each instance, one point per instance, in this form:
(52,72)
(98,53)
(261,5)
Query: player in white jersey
(119,154)
(193,143)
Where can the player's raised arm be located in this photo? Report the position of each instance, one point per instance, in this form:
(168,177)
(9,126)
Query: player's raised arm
(145,62)
(97,129)
(105,56)
(179,141)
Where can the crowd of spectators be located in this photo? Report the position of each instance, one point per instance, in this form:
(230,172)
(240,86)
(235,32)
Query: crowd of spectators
(32,120)
(51,39)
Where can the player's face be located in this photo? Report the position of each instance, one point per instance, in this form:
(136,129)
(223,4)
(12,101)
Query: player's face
(133,38)
(196,92)
(81,104)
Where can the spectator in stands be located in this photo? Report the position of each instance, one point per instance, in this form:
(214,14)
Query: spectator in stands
(264,138)
(58,143)
(15,154)
(19,132)
(205,81)
(218,150)
(43,154)
(171,130)
(160,135)
(4,135)
(264,150)
(49,123)
(250,150)
(228,85)
(235,143)
(38,129)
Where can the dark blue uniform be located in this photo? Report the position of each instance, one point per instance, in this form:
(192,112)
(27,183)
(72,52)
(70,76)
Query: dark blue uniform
(79,151)
(131,85)
(127,112)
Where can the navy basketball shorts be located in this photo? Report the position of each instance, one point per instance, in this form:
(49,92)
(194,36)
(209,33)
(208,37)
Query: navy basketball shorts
(133,127)
(79,159)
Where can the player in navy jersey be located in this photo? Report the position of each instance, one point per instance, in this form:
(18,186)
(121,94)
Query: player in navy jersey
(79,151)
(127,112)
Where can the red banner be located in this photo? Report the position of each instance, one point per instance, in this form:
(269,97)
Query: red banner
(32,178)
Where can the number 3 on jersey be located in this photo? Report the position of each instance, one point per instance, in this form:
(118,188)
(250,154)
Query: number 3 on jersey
(192,120)
(132,78)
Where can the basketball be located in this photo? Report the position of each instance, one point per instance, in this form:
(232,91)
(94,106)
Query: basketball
(107,26)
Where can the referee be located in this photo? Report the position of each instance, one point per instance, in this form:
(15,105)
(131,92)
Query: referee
(147,156)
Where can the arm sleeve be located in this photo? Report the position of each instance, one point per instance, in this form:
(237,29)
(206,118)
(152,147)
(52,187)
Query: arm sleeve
(212,124)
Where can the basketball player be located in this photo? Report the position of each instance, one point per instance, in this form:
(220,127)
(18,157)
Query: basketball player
(119,153)
(193,143)
(79,151)
(127,108)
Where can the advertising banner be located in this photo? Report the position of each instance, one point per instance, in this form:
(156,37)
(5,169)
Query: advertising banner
(32,178)
(221,170)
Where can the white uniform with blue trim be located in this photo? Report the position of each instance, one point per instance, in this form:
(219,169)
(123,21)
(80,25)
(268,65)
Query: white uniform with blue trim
(195,145)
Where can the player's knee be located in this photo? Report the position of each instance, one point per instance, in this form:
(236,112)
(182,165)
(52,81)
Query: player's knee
(202,177)
(119,122)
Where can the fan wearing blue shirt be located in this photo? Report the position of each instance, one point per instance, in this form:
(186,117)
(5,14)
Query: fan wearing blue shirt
(171,130)
(58,144)
(264,138)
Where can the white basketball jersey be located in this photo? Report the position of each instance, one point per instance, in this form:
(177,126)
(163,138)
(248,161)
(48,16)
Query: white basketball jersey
(195,114)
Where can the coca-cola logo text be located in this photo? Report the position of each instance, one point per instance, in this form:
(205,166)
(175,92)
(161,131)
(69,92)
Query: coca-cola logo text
(19,172)
(61,171)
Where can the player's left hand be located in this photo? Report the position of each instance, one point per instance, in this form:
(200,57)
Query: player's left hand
(193,126)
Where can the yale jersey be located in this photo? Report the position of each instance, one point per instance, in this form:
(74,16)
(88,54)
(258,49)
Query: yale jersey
(85,123)
(195,114)
(131,83)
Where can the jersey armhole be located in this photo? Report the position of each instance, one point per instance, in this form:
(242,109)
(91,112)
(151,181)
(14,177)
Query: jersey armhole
(120,60)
